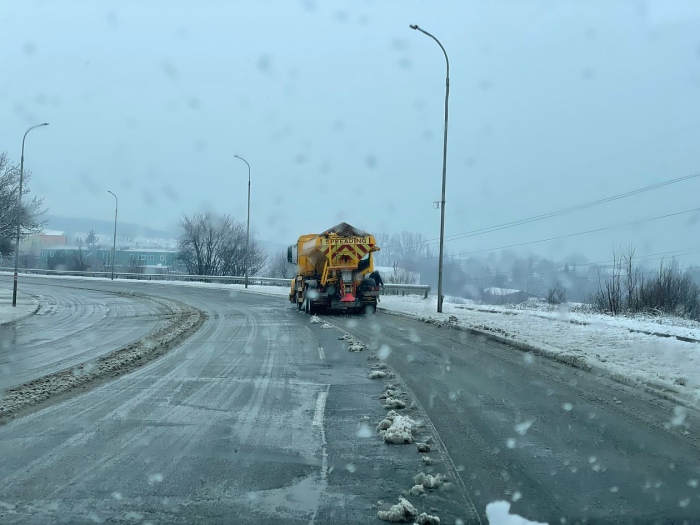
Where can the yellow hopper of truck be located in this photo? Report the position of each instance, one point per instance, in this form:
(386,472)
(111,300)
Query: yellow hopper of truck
(332,269)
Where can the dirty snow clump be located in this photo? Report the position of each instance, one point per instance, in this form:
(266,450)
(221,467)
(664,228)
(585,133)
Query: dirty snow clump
(423,447)
(326,325)
(377,374)
(402,512)
(391,402)
(498,513)
(417,490)
(429,481)
(356,346)
(315,319)
(427,461)
(400,431)
(427,519)
(388,393)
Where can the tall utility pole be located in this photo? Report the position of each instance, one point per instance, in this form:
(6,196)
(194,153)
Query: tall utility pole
(19,212)
(444,168)
(114,240)
(247,240)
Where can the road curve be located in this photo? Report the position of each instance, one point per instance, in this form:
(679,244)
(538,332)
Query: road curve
(71,327)
(254,419)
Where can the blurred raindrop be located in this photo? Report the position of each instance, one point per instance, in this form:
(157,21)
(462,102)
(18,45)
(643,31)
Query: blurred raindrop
(384,351)
(516,496)
(363,431)
(264,63)
(350,467)
(370,161)
(567,406)
(511,443)
(341,16)
(29,48)
(169,70)
(522,428)
(155,478)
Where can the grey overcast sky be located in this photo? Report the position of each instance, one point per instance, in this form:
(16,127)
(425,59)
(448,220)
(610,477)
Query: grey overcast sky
(338,107)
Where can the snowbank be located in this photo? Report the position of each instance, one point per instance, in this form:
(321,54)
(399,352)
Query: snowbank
(26,306)
(400,431)
(660,353)
(402,512)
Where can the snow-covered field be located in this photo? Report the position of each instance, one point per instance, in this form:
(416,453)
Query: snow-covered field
(638,350)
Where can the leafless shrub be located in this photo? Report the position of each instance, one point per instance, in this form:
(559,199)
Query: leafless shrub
(556,294)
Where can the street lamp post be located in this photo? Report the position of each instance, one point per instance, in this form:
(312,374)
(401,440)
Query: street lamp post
(247,241)
(114,240)
(19,212)
(444,167)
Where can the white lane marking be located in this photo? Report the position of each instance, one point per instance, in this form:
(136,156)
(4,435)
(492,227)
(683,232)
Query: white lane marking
(320,409)
(321,353)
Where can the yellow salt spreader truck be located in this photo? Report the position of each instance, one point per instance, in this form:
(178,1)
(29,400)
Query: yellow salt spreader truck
(332,269)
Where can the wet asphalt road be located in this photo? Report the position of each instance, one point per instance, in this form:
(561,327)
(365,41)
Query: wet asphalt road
(71,327)
(255,418)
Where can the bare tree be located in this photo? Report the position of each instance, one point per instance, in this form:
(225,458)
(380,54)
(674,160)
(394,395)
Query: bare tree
(281,268)
(556,294)
(80,262)
(29,212)
(608,298)
(211,245)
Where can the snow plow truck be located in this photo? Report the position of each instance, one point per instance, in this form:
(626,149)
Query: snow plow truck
(332,269)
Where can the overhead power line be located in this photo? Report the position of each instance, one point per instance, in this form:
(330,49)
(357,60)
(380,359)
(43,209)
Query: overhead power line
(557,213)
(596,230)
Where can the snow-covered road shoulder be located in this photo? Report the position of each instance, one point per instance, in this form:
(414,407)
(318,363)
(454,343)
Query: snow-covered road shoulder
(26,306)
(660,354)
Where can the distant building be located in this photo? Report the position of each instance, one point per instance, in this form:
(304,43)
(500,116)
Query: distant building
(137,260)
(494,295)
(34,243)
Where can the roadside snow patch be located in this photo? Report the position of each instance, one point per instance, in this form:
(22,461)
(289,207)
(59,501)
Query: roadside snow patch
(400,431)
(429,481)
(356,346)
(427,461)
(387,394)
(402,512)
(427,519)
(498,513)
(326,325)
(391,402)
(417,490)
(315,319)
(377,374)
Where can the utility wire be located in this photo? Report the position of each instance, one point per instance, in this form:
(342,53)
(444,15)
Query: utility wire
(549,215)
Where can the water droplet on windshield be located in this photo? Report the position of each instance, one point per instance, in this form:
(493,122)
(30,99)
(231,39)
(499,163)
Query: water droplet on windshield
(384,351)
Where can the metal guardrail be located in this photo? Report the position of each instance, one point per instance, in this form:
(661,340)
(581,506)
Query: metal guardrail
(407,289)
(389,289)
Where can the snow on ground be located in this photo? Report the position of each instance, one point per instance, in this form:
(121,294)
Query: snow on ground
(498,513)
(400,431)
(26,306)
(622,347)
(403,511)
